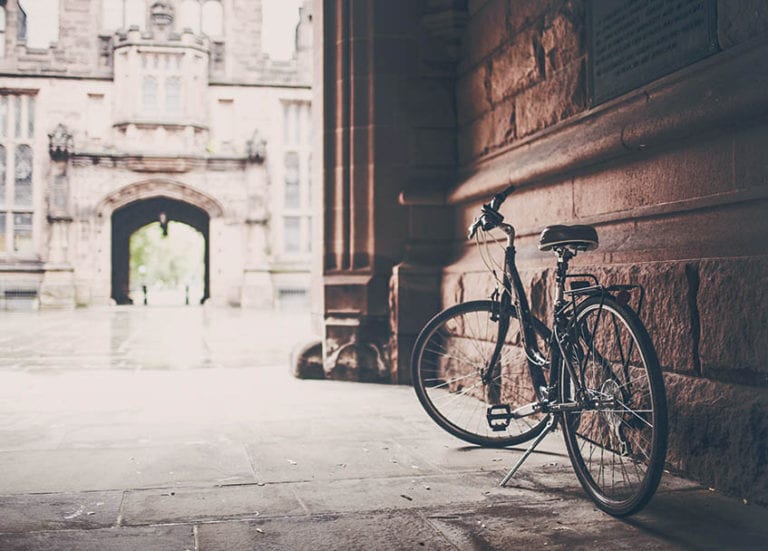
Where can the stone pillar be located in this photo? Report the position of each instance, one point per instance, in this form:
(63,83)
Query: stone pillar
(388,126)
(58,288)
(360,149)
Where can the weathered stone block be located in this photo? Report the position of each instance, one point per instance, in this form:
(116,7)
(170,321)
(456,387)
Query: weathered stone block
(393,55)
(474,139)
(532,209)
(563,38)
(524,13)
(719,435)
(552,100)
(515,67)
(650,179)
(734,319)
(750,161)
(485,32)
(502,125)
(667,311)
(431,102)
(471,95)
(432,146)
(739,21)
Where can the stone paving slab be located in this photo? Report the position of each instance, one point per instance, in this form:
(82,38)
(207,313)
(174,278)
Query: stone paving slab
(68,470)
(67,511)
(333,459)
(394,530)
(175,505)
(153,538)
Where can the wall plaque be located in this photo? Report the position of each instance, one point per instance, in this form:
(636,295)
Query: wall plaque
(632,42)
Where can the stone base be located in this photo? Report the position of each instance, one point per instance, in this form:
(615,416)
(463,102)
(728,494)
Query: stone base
(414,297)
(355,349)
(57,289)
(719,435)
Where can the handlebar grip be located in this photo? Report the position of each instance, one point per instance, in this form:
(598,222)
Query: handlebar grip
(499,198)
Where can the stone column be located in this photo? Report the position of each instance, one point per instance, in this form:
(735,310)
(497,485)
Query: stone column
(58,288)
(388,125)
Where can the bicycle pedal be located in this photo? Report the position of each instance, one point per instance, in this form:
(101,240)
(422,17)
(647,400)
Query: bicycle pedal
(499,417)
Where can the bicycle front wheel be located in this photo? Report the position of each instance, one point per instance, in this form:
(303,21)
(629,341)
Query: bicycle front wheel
(617,445)
(449,360)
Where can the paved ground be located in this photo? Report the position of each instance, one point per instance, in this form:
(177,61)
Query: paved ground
(180,429)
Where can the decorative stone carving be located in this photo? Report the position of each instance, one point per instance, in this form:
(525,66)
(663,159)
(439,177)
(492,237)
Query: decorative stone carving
(161,14)
(61,144)
(256,148)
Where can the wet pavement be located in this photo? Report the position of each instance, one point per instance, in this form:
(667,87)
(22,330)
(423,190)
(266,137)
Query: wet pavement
(181,429)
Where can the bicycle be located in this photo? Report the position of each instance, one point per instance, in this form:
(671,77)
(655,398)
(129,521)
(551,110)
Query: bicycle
(490,373)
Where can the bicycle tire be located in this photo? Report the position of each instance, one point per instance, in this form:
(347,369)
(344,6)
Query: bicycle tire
(458,342)
(617,451)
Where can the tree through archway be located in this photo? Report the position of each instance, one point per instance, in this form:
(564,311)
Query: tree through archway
(127,220)
(167,264)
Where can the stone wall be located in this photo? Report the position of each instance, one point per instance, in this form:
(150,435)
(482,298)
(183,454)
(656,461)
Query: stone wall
(672,176)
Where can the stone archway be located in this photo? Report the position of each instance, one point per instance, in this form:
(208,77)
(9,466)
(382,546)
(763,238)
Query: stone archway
(137,205)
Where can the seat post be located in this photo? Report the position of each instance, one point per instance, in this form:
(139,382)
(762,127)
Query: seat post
(564,255)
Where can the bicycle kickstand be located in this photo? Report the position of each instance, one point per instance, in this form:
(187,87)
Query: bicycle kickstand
(547,429)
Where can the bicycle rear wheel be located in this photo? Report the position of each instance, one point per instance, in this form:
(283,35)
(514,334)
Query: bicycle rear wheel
(449,358)
(618,448)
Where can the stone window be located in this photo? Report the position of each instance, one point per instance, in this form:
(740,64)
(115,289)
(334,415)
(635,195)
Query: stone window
(292,234)
(173,95)
(297,123)
(162,85)
(212,18)
(38,23)
(2,31)
(149,95)
(17,129)
(123,14)
(297,199)
(292,189)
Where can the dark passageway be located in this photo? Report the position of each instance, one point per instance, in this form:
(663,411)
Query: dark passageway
(130,218)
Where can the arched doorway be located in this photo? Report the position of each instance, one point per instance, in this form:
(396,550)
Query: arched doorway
(131,217)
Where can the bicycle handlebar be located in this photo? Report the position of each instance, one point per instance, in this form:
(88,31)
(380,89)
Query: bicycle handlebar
(491,217)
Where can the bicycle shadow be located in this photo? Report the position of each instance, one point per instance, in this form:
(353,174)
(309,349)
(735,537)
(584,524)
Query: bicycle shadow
(701,519)
(517,450)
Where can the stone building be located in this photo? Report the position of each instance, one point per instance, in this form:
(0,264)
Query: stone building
(118,113)
(647,119)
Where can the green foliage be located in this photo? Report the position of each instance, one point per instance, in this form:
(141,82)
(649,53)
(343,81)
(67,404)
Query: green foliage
(168,262)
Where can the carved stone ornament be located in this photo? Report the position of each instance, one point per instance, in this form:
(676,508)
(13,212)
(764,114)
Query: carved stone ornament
(61,144)
(161,13)
(256,148)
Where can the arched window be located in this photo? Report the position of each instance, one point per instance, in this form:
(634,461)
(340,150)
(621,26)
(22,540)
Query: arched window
(173,96)
(42,22)
(149,94)
(2,31)
(292,192)
(135,13)
(213,18)
(17,121)
(189,15)
(22,188)
(111,14)
(2,176)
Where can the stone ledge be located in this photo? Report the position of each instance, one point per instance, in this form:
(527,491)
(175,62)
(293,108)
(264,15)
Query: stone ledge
(646,118)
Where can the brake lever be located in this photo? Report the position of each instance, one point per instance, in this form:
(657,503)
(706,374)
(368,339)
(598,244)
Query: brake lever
(473,227)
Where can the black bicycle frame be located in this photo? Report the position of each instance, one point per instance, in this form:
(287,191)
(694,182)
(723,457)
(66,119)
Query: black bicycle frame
(513,287)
